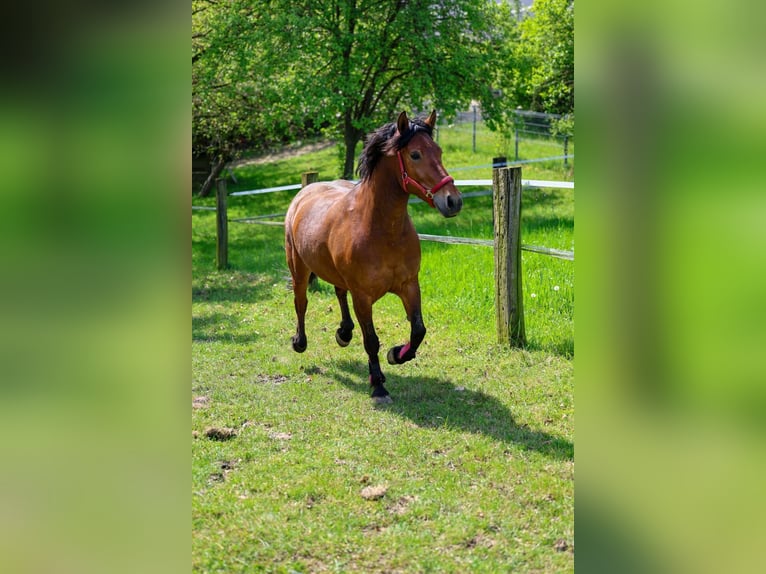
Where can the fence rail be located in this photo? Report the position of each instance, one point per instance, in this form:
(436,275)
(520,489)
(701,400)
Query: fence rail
(529,183)
(267,190)
(506,190)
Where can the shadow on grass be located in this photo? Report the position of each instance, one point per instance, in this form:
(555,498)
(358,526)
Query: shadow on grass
(232,285)
(430,403)
(256,265)
(219,327)
(537,223)
(563,348)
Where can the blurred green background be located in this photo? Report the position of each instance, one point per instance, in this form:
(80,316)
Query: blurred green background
(671,240)
(670,272)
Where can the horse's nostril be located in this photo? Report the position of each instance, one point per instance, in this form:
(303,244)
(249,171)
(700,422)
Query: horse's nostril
(450,203)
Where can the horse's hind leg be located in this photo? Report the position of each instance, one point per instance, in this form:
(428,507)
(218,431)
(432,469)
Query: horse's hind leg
(301,274)
(411,299)
(343,334)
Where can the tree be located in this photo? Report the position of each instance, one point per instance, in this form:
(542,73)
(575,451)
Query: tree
(538,57)
(548,39)
(231,108)
(343,65)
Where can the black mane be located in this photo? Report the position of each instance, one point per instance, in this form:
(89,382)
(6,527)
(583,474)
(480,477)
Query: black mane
(386,140)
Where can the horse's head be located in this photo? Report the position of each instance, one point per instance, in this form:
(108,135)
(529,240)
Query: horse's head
(422,172)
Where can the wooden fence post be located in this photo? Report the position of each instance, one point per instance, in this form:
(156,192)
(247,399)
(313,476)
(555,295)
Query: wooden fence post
(308,177)
(509,309)
(221,226)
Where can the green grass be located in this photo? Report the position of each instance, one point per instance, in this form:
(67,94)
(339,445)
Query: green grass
(456,142)
(476,452)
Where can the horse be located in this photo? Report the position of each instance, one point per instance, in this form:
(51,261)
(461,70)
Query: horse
(361,239)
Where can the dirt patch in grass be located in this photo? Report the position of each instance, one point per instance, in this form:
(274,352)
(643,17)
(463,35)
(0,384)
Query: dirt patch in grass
(215,478)
(313,370)
(220,433)
(400,506)
(481,540)
(374,492)
(200,402)
(290,152)
(374,529)
(271,379)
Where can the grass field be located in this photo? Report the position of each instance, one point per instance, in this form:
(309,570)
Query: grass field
(471,469)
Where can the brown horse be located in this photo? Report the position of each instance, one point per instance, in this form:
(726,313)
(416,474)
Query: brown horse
(361,239)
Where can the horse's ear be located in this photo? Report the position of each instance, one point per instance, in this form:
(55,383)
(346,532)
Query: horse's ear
(431,121)
(403,123)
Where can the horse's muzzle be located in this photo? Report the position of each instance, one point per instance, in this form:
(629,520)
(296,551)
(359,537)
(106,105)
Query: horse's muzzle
(449,202)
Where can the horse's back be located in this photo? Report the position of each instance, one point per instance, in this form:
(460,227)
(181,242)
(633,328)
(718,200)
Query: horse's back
(321,190)
(315,200)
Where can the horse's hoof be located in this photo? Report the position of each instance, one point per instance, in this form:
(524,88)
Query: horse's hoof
(339,339)
(379,393)
(299,346)
(398,355)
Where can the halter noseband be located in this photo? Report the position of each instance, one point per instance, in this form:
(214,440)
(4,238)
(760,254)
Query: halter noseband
(429,193)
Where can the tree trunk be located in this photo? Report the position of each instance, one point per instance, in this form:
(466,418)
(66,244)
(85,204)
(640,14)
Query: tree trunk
(348,162)
(214,173)
(351,137)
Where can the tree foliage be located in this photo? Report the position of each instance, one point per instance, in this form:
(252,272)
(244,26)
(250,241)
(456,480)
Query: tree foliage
(234,106)
(547,39)
(365,60)
(266,71)
(537,71)
(280,67)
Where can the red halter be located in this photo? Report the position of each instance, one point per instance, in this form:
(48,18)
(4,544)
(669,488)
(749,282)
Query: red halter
(429,193)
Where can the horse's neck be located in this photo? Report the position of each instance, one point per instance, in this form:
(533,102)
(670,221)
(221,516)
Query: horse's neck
(383,199)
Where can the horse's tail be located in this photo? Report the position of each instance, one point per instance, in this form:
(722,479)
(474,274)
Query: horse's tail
(313,282)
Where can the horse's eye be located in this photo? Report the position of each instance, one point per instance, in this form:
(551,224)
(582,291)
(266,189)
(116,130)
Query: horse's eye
(415,155)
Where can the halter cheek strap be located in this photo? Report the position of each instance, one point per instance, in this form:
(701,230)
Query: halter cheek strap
(429,193)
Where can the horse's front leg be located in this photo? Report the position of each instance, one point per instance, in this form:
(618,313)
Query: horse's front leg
(363,310)
(410,296)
